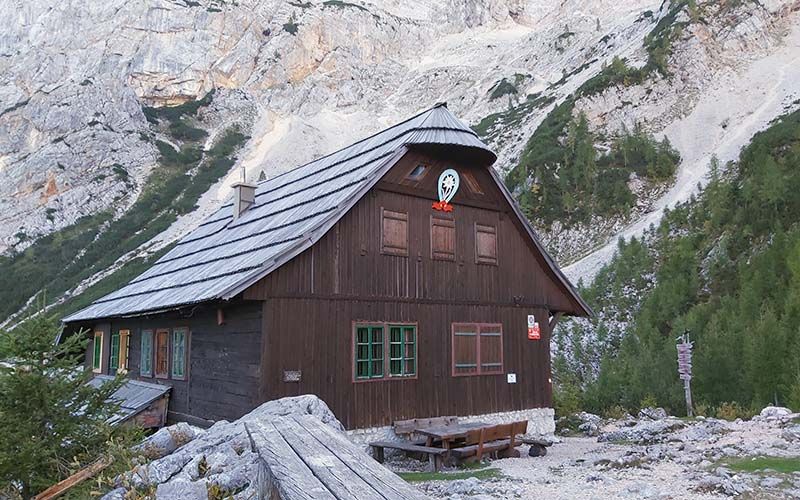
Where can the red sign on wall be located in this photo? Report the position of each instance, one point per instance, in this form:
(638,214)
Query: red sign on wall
(534,332)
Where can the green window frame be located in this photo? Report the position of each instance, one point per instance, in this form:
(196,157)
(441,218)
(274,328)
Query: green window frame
(113,361)
(146,354)
(97,355)
(179,341)
(402,350)
(369,352)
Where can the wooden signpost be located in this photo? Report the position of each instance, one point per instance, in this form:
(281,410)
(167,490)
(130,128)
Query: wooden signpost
(685,368)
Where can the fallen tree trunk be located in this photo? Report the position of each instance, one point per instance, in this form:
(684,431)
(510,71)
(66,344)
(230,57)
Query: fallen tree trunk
(62,487)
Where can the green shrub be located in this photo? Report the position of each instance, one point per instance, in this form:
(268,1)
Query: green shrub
(617,412)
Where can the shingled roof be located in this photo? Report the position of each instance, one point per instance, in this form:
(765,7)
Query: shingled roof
(224,256)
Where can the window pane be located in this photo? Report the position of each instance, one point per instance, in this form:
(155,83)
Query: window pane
(179,353)
(113,361)
(146,355)
(98,351)
(396,367)
(377,368)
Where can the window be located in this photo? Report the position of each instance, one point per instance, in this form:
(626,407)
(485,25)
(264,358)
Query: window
(471,182)
(124,349)
(146,361)
(97,354)
(394,233)
(417,173)
(162,354)
(373,347)
(443,238)
(485,244)
(477,349)
(369,352)
(113,362)
(402,350)
(179,336)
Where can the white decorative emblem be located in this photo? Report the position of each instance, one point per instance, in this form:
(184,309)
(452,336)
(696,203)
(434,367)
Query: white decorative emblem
(448,185)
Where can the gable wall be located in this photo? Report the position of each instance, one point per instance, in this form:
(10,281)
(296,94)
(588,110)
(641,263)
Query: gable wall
(312,303)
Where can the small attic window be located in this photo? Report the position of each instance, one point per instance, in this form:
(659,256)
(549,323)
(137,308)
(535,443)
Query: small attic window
(417,173)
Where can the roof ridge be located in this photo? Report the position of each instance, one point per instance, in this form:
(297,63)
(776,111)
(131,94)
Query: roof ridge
(428,110)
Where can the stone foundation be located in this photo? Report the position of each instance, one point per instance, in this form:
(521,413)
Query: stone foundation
(540,423)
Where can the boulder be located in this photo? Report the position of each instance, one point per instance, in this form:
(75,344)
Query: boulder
(167,440)
(115,494)
(590,423)
(307,404)
(220,457)
(791,433)
(653,413)
(182,490)
(774,411)
(645,432)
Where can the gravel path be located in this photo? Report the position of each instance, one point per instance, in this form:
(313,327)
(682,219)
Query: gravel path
(673,459)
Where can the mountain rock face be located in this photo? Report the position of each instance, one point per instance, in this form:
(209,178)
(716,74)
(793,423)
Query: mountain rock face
(303,78)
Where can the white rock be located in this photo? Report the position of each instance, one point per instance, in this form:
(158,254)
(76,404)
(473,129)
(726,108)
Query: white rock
(774,411)
(182,490)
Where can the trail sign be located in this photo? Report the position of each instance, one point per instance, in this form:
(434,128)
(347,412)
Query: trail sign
(684,348)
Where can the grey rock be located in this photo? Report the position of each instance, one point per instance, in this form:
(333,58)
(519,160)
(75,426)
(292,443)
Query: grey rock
(653,413)
(774,411)
(168,439)
(115,494)
(642,490)
(182,490)
(645,432)
(771,482)
(791,433)
(469,486)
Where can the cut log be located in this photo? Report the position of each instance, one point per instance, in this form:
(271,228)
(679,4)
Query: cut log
(62,487)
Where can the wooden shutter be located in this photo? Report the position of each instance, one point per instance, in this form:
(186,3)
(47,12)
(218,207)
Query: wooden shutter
(124,350)
(443,238)
(485,244)
(491,349)
(394,232)
(162,354)
(465,349)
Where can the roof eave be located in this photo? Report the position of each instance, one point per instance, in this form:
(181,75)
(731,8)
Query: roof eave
(532,233)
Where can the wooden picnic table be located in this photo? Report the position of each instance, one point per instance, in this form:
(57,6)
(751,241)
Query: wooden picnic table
(449,434)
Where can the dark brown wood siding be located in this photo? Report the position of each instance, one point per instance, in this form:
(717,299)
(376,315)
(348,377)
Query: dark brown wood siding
(314,336)
(311,304)
(224,361)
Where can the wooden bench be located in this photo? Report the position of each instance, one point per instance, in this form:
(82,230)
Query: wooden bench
(408,429)
(497,440)
(434,454)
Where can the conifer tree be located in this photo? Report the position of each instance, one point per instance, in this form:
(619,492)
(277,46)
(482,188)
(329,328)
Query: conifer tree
(51,420)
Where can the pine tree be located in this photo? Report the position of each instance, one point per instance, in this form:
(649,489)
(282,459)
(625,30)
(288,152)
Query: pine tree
(50,419)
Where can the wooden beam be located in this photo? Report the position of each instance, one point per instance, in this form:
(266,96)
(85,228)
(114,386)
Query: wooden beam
(554,320)
(62,487)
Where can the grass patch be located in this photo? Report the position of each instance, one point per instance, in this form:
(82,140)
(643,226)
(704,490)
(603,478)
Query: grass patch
(759,464)
(478,471)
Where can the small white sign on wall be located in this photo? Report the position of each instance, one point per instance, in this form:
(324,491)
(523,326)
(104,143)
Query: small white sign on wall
(512,378)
